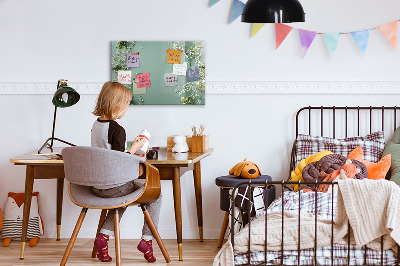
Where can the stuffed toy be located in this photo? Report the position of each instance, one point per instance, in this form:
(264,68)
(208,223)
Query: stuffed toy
(296,174)
(245,169)
(13,215)
(180,144)
(375,170)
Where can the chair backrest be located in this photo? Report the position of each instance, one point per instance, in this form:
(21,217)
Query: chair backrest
(92,166)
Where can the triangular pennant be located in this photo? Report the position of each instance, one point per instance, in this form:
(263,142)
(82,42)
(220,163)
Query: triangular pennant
(281,31)
(389,30)
(361,37)
(237,9)
(306,39)
(213,2)
(256,27)
(332,41)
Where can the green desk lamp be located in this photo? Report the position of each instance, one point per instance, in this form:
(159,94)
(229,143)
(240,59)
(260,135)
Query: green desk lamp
(65,96)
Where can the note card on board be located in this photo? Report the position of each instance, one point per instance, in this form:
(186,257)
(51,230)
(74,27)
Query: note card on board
(125,77)
(143,80)
(192,74)
(180,69)
(170,80)
(174,56)
(133,60)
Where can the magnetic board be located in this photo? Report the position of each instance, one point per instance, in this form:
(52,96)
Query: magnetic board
(160,72)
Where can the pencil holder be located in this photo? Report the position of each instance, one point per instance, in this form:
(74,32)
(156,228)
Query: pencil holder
(200,143)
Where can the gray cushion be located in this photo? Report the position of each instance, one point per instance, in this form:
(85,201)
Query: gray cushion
(393,148)
(83,195)
(99,167)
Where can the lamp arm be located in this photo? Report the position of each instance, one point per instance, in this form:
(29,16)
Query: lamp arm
(54,126)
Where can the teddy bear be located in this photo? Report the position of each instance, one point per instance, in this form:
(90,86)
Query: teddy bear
(13,215)
(180,144)
(245,169)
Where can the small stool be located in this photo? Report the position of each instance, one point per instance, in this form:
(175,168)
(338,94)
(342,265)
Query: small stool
(226,183)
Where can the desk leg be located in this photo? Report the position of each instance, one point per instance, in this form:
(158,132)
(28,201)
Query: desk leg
(60,190)
(27,206)
(176,182)
(199,204)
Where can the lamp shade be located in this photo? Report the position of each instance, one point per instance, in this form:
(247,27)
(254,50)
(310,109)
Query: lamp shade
(65,96)
(273,11)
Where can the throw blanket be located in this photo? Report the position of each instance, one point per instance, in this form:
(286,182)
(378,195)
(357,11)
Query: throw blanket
(371,206)
(373,209)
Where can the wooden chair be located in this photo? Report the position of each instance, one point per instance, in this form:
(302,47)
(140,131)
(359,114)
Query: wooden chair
(85,167)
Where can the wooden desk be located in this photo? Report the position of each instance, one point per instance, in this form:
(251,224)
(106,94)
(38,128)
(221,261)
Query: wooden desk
(40,167)
(171,167)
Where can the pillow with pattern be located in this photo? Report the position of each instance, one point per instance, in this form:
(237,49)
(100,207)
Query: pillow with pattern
(372,145)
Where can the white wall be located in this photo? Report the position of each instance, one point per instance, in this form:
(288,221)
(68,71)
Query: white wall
(47,40)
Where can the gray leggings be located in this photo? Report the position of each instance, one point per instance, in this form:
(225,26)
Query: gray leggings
(154,208)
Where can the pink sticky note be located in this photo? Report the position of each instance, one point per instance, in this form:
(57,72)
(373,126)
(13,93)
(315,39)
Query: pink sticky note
(143,80)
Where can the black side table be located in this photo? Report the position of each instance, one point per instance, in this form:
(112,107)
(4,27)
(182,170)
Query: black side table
(226,183)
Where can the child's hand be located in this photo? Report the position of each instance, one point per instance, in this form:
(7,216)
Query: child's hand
(137,144)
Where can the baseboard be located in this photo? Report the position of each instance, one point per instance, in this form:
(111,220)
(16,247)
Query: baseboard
(231,87)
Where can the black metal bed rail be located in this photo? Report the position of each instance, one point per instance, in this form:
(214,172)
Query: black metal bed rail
(265,185)
(346,124)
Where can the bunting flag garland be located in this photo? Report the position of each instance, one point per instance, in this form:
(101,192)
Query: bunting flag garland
(389,30)
(361,37)
(306,39)
(256,27)
(237,9)
(213,2)
(332,41)
(281,31)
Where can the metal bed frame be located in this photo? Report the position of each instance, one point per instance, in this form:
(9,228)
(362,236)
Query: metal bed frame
(283,184)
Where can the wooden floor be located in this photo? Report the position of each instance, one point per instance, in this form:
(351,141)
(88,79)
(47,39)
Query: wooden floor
(50,252)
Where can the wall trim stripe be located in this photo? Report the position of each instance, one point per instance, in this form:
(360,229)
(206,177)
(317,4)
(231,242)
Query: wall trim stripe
(231,87)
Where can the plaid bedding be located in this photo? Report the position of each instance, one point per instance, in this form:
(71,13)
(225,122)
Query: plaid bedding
(372,145)
(323,207)
(324,257)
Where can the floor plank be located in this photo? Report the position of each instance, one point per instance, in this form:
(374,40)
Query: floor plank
(49,252)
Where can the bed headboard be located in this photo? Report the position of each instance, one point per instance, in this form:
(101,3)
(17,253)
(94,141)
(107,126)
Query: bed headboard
(344,121)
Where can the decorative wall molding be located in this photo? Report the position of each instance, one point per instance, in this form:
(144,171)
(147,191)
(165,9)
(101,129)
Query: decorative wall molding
(233,87)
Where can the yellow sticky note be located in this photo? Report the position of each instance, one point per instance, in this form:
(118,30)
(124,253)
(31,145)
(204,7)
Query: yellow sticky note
(174,56)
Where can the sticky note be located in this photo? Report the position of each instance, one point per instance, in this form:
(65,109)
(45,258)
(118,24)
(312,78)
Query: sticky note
(136,90)
(143,80)
(192,74)
(174,56)
(180,69)
(133,60)
(170,80)
(125,77)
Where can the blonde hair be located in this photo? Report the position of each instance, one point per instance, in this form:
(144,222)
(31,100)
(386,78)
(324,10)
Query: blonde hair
(112,99)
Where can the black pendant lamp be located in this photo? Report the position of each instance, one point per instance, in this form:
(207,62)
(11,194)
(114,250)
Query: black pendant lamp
(273,11)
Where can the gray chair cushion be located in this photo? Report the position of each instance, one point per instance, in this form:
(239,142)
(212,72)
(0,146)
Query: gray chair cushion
(84,196)
(99,167)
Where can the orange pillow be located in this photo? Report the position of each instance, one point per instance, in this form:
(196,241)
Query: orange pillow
(375,170)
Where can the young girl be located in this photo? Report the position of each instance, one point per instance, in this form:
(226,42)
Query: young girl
(112,104)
